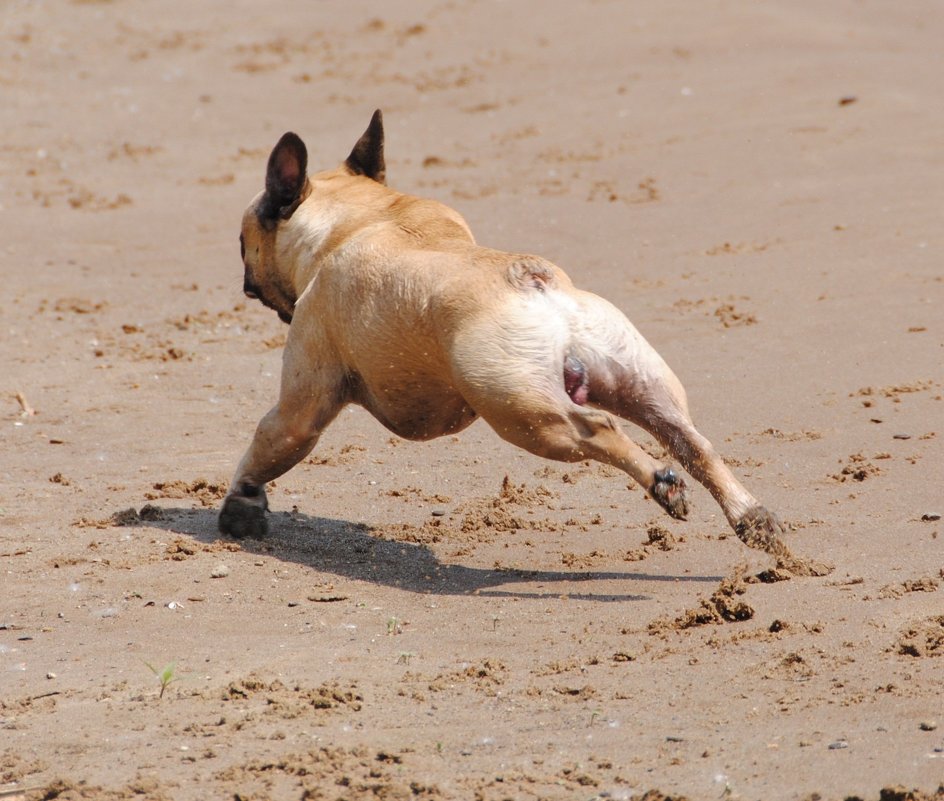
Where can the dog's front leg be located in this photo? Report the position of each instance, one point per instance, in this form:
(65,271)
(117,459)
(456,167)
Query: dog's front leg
(278,445)
(309,401)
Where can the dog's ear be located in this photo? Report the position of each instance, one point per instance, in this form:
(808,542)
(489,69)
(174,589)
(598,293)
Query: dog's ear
(286,176)
(367,157)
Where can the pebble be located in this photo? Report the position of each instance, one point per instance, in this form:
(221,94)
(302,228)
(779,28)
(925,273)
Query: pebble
(839,744)
(438,512)
(220,571)
(927,725)
(50,675)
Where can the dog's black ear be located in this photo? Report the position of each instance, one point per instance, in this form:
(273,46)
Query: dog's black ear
(286,175)
(367,157)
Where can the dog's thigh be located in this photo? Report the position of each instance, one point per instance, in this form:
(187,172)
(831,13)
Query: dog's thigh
(520,391)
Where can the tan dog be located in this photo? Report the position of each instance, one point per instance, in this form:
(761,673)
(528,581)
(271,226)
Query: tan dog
(392,305)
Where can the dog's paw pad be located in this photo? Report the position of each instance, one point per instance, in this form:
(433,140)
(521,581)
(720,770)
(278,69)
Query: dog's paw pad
(671,493)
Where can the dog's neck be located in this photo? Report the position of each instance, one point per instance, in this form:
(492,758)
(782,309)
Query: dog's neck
(303,242)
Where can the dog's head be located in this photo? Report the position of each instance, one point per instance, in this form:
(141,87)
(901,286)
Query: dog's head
(270,275)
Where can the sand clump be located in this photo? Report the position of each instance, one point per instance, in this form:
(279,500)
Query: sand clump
(724,605)
(208,493)
(923,638)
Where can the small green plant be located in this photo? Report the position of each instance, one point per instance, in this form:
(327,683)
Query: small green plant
(405,657)
(393,627)
(166,675)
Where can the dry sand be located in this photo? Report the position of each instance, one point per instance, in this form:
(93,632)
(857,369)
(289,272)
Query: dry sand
(759,186)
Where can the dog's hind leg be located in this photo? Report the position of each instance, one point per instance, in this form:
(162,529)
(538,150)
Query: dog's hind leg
(627,377)
(524,381)
(754,524)
(308,402)
(657,403)
(551,425)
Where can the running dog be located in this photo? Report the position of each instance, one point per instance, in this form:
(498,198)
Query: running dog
(392,305)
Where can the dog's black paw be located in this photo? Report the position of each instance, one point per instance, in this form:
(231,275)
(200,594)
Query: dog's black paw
(671,493)
(244,516)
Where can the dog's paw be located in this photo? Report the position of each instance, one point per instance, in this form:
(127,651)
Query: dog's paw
(670,493)
(761,529)
(244,516)
(757,524)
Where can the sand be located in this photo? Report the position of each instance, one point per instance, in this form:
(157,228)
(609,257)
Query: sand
(759,186)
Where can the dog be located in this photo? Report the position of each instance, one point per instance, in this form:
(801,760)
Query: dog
(392,305)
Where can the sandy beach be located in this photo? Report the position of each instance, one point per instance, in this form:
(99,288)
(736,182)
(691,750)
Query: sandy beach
(758,186)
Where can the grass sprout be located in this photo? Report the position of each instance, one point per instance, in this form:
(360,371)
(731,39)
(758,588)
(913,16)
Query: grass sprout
(166,675)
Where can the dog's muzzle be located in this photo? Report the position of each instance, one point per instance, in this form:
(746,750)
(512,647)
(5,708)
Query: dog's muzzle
(254,292)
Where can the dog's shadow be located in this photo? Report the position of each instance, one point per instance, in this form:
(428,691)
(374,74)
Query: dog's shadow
(351,551)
